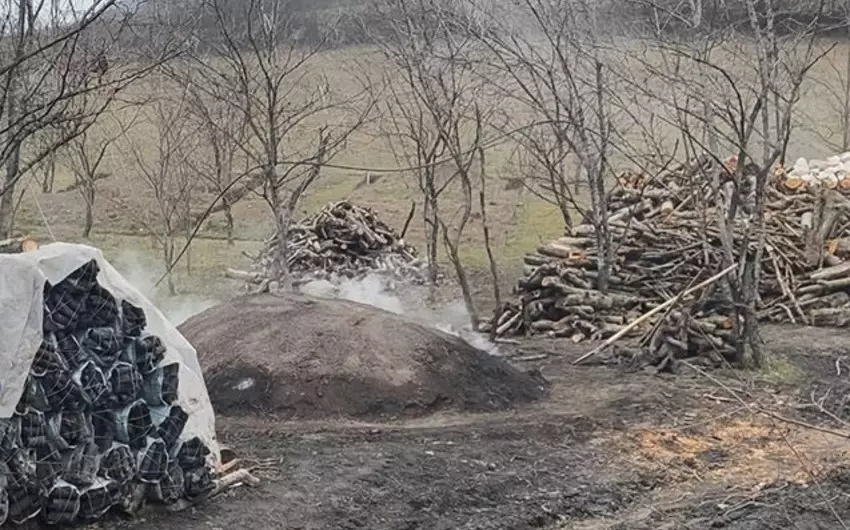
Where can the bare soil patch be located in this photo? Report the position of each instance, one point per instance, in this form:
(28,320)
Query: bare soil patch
(607,449)
(311,358)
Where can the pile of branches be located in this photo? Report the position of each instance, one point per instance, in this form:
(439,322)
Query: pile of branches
(98,426)
(343,240)
(666,239)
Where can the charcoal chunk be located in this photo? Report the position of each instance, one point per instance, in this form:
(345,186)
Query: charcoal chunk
(198,482)
(22,486)
(191,453)
(33,429)
(62,310)
(126,383)
(22,474)
(105,427)
(69,347)
(152,461)
(118,463)
(161,385)
(132,497)
(62,393)
(82,280)
(98,499)
(61,505)
(133,319)
(100,309)
(23,505)
(148,353)
(69,429)
(94,384)
(169,423)
(171,488)
(10,439)
(80,465)
(102,345)
(134,424)
(34,397)
(47,359)
(48,465)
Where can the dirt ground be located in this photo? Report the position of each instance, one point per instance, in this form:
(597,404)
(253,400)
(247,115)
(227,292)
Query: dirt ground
(610,448)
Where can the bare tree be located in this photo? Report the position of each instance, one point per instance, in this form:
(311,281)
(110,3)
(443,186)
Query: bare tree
(550,53)
(261,67)
(436,122)
(85,154)
(42,72)
(834,91)
(46,140)
(746,96)
(52,69)
(163,165)
(433,95)
(224,131)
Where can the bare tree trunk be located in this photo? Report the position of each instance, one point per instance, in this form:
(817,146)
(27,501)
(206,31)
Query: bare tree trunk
(845,115)
(453,244)
(89,197)
(488,245)
(189,230)
(432,228)
(599,198)
(228,216)
(283,221)
(49,173)
(168,255)
(7,200)
(462,279)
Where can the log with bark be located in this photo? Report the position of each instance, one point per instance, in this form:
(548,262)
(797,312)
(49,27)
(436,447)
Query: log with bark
(17,245)
(666,238)
(343,240)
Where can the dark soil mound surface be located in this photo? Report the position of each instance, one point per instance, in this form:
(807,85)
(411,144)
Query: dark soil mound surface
(315,358)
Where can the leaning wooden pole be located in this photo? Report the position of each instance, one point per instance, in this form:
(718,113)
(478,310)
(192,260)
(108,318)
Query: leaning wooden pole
(643,318)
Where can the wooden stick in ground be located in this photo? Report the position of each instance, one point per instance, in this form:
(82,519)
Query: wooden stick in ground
(646,316)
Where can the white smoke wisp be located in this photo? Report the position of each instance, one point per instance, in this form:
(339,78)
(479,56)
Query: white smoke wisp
(380,292)
(143,273)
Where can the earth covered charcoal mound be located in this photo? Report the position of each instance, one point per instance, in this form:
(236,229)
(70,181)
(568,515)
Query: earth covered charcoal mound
(98,425)
(314,358)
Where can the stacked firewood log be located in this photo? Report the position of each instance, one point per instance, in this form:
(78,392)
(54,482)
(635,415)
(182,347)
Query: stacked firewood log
(666,238)
(98,425)
(18,244)
(341,241)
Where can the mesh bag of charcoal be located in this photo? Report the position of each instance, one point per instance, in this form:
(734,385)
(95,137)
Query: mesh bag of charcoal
(101,397)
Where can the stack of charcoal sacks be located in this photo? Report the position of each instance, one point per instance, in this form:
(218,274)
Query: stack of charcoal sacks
(98,425)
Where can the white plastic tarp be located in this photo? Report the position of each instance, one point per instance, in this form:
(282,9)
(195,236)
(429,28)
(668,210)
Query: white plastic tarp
(22,278)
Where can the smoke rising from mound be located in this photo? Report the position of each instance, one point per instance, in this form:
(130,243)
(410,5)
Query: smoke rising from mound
(378,292)
(143,275)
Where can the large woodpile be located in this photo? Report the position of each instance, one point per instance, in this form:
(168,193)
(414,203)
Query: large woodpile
(666,239)
(343,240)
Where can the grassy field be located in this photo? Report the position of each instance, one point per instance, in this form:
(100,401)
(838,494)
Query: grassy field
(519,220)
